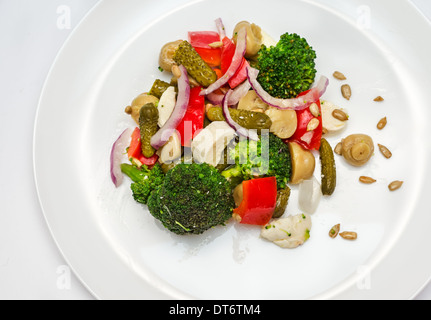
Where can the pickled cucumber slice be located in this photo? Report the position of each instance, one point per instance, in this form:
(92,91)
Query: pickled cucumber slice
(282,202)
(148,119)
(196,67)
(329,174)
(159,86)
(245,118)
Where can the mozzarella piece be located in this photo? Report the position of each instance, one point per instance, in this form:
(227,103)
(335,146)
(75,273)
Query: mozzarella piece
(166,105)
(310,193)
(171,150)
(328,121)
(209,144)
(267,40)
(290,232)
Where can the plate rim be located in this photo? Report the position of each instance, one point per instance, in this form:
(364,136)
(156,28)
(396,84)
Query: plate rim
(76,30)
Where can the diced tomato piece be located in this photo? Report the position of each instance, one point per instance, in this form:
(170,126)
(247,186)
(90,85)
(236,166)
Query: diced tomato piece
(211,56)
(218,72)
(259,201)
(135,150)
(240,76)
(309,140)
(193,120)
(200,41)
(227,54)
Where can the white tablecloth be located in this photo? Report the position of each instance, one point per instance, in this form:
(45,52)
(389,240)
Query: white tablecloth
(31,34)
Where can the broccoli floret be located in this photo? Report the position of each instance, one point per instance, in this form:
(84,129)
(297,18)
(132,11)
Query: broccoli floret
(288,68)
(192,199)
(268,157)
(144,180)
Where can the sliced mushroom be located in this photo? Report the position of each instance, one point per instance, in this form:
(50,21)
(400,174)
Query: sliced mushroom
(284,122)
(357,149)
(252,102)
(166,55)
(210,143)
(138,103)
(254,38)
(303,163)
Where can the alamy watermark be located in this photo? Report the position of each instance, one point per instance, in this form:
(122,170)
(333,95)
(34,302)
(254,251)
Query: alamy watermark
(363,20)
(64,21)
(64,278)
(364,277)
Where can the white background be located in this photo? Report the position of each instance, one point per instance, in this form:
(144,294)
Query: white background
(31,34)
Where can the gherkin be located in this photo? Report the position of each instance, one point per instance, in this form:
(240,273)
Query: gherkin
(288,68)
(196,67)
(148,119)
(245,118)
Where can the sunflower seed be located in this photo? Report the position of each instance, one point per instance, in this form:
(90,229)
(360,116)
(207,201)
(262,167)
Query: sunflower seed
(340,115)
(385,151)
(382,123)
(346,91)
(334,231)
(217,44)
(366,180)
(349,235)
(314,109)
(395,185)
(313,124)
(339,76)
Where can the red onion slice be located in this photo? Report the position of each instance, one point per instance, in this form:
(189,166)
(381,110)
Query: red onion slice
(248,133)
(241,45)
(117,153)
(220,28)
(162,136)
(237,94)
(299,103)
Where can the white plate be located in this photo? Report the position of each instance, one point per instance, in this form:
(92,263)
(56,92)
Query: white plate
(119,251)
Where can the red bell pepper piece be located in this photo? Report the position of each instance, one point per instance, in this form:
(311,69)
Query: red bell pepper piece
(200,41)
(259,201)
(309,140)
(135,151)
(227,54)
(193,120)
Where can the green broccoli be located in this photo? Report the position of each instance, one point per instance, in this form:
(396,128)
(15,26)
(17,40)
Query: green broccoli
(192,199)
(288,68)
(268,157)
(144,180)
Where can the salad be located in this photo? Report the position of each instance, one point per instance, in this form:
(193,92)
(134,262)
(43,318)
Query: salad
(238,124)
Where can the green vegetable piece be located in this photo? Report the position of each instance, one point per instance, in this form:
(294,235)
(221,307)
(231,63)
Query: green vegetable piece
(329,174)
(159,86)
(186,158)
(288,68)
(192,199)
(196,67)
(245,118)
(268,157)
(282,201)
(144,180)
(148,118)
